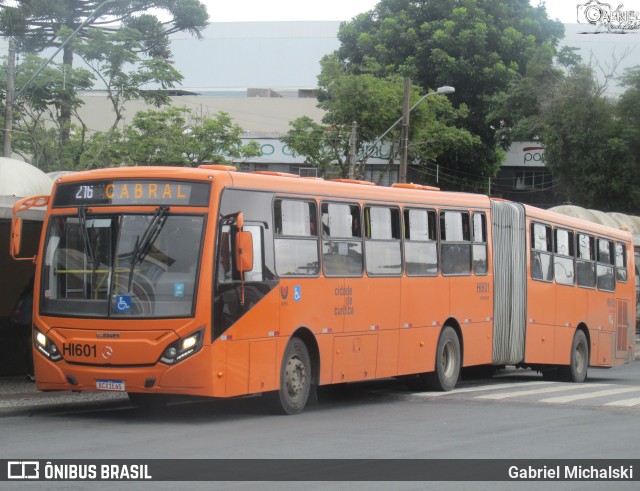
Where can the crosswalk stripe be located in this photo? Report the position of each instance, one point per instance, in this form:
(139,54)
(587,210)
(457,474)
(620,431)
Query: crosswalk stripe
(625,402)
(591,395)
(544,390)
(481,389)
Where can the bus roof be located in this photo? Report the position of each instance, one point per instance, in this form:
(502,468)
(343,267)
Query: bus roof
(339,189)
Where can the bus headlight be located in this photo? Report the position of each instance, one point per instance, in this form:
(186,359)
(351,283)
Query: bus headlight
(183,348)
(45,346)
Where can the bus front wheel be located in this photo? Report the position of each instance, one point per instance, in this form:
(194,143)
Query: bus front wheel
(448,362)
(295,380)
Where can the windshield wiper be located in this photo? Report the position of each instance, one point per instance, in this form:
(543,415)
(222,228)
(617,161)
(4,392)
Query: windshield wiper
(88,250)
(143,245)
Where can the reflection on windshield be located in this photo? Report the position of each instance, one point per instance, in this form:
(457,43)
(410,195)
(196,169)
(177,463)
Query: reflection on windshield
(94,266)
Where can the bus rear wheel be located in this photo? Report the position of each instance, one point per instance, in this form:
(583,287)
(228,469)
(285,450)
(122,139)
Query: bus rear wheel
(295,380)
(448,362)
(577,370)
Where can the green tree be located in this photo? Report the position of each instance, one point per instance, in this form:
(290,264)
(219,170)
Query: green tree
(477,46)
(38,24)
(126,74)
(375,103)
(36,119)
(588,144)
(172,136)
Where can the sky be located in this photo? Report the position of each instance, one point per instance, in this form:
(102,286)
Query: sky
(261,10)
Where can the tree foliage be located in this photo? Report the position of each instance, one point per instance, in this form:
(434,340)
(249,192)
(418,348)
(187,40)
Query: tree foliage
(375,104)
(477,46)
(592,142)
(172,136)
(37,24)
(36,118)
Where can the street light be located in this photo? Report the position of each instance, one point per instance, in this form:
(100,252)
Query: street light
(445,89)
(404,140)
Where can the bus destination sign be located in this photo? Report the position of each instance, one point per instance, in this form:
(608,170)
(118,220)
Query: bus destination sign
(132,192)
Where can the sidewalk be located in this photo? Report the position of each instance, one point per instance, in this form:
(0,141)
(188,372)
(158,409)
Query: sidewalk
(17,392)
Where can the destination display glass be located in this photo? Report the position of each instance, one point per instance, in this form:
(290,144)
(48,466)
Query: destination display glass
(132,192)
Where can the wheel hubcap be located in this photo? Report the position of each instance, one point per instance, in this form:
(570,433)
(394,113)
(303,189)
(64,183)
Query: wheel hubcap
(448,359)
(296,376)
(580,358)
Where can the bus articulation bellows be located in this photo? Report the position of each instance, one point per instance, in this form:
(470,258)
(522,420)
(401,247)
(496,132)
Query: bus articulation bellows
(210,282)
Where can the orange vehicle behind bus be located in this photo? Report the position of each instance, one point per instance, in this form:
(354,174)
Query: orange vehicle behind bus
(210,282)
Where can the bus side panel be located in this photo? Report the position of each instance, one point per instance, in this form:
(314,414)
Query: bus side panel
(379,311)
(472,305)
(604,355)
(562,346)
(601,318)
(425,301)
(541,313)
(262,365)
(388,342)
(424,306)
(315,303)
(373,305)
(478,338)
(355,357)
(219,368)
(237,368)
(567,315)
(417,349)
(325,347)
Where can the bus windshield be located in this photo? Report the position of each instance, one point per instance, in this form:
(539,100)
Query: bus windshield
(121,265)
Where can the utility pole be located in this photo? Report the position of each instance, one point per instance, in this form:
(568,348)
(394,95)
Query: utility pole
(352,149)
(404,138)
(8,103)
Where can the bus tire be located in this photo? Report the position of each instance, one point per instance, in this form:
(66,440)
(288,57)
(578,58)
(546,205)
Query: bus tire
(295,380)
(448,362)
(579,362)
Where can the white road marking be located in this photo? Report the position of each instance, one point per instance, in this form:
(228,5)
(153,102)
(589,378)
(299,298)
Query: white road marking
(625,402)
(591,395)
(481,388)
(544,390)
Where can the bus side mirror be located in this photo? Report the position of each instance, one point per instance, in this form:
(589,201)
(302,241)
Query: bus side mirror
(244,252)
(16,236)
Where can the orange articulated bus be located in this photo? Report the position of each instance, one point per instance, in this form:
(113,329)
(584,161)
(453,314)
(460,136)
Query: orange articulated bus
(211,282)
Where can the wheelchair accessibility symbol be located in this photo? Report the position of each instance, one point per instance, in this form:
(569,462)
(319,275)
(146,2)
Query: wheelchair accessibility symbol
(123,303)
(297,293)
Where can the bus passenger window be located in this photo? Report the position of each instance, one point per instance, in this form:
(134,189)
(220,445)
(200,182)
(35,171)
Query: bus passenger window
(455,247)
(420,244)
(480,265)
(586,262)
(564,257)
(541,253)
(341,240)
(606,279)
(621,262)
(382,247)
(296,243)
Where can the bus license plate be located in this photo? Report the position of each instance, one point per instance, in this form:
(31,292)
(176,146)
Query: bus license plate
(113,385)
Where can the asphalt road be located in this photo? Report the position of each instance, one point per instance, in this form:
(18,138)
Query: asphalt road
(515,415)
